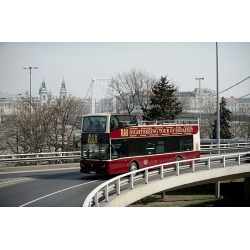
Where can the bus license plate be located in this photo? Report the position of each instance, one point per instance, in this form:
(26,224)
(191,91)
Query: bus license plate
(92,172)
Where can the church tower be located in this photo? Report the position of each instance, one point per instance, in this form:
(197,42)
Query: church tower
(43,93)
(63,91)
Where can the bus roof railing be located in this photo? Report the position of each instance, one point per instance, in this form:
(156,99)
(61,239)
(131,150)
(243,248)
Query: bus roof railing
(175,122)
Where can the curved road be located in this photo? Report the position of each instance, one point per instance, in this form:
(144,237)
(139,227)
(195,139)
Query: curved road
(65,187)
(48,188)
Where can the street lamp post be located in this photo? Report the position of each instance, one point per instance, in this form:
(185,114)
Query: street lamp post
(200,95)
(217,184)
(30,68)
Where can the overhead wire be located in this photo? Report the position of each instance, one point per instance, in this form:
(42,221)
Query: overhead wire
(88,91)
(237,84)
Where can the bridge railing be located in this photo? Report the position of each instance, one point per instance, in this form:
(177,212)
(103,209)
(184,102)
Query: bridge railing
(224,148)
(14,158)
(50,156)
(103,192)
(39,157)
(225,145)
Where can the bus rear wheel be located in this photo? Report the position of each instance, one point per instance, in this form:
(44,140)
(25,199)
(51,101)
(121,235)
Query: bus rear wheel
(132,166)
(178,158)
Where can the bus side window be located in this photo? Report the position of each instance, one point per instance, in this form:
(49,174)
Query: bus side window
(149,148)
(188,144)
(181,145)
(159,147)
(114,123)
(124,148)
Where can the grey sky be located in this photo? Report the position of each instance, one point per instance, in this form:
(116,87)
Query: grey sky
(79,62)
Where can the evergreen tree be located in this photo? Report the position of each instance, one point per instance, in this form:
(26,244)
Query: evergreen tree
(225,119)
(164,105)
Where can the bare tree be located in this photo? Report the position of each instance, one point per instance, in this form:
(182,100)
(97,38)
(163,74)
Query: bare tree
(240,125)
(132,89)
(27,127)
(67,116)
(34,128)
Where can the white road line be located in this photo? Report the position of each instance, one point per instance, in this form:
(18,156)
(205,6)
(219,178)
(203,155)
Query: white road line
(17,179)
(39,170)
(56,193)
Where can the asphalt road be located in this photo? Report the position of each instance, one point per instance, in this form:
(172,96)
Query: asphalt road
(50,188)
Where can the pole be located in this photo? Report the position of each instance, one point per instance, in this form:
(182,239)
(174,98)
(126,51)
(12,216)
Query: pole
(30,68)
(200,95)
(218,102)
(92,99)
(217,190)
(200,98)
(17,142)
(112,81)
(217,184)
(30,87)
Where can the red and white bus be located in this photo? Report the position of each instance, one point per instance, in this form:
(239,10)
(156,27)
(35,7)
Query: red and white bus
(114,143)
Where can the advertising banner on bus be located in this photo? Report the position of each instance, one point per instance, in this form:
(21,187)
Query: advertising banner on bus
(148,131)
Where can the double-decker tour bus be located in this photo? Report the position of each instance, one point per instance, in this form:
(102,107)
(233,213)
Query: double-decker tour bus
(115,143)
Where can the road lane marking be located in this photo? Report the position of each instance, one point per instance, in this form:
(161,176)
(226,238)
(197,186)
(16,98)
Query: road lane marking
(56,193)
(38,170)
(17,179)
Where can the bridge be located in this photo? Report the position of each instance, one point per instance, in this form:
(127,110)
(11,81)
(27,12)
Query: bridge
(127,188)
(231,163)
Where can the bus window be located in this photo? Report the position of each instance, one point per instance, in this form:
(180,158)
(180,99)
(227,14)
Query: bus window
(150,148)
(120,148)
(124,148)
(114,123)
(188,145)
(120,121)
(116,149)
(181,145)
(94,124)
(159,147)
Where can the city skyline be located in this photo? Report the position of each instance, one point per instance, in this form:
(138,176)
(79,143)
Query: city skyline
(79,62)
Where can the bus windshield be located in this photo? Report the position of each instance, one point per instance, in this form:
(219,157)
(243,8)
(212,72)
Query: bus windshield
(94,124)
(95,146)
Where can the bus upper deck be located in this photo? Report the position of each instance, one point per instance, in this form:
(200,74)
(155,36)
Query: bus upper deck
(109,122)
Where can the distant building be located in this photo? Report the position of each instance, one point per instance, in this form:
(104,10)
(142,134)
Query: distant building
(63,91)
(232,104)
(43,93)
(7,100)
(238,104)
(193,100)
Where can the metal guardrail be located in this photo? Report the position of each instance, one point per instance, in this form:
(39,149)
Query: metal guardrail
(224,145)
(51,156)
(38,157)
(115,184)
(224,148)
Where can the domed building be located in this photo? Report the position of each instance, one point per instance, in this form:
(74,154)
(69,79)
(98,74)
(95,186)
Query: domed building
(43,93)
(46,96)
(63,91)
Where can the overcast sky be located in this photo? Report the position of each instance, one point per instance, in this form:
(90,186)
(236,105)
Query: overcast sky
(79,62)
